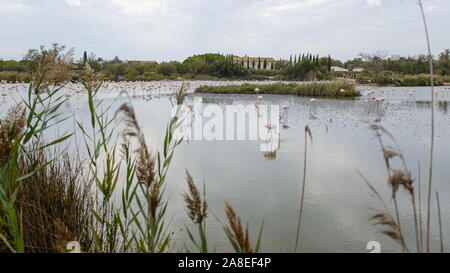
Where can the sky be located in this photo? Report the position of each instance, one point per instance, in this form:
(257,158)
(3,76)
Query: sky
(165,30)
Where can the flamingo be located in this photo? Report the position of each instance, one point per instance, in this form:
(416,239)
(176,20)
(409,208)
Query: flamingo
(284,115)
(270,129)
(313,107)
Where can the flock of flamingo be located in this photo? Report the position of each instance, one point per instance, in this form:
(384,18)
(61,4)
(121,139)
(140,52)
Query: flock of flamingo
(157,89)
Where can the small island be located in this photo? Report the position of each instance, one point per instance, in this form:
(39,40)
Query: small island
(332,89)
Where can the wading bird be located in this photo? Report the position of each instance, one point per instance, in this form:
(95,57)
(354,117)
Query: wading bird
(313,108)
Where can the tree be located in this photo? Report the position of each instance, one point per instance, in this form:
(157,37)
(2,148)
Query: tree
(116,60)
(167,69)
(85,58)
(443,63)
(329,63)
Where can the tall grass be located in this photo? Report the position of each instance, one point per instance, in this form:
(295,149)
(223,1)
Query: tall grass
(430,177)
(400,179)
(302,196)
(20,159)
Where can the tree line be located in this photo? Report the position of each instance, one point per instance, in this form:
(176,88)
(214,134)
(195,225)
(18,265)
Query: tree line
(306,66)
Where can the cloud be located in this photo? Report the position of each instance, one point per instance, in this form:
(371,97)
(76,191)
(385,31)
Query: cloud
(8,5)
(139,7)
(175,29)
(73,2)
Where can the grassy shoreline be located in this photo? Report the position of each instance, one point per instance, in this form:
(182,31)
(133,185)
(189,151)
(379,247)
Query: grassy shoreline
(333,89)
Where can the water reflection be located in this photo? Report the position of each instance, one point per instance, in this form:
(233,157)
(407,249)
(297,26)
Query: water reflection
(441,106)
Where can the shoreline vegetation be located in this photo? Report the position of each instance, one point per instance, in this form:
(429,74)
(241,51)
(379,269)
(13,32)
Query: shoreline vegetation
(402,80)
(368,68)
(334,89)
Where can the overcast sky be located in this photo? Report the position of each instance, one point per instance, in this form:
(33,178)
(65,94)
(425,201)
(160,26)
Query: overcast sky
(164,30)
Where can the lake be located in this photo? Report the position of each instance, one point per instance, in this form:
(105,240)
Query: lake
(337,202)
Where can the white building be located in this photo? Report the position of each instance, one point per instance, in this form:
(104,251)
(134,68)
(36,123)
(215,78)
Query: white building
(255,62)
(339,69)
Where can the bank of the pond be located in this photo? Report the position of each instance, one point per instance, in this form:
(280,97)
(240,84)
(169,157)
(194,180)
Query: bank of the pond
(334,89)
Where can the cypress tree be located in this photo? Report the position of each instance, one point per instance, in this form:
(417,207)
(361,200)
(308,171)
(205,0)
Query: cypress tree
(329,63)
(85,58)
(290,59)
(259,62)
(265,64)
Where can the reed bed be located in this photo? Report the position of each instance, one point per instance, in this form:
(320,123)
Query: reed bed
(335,89)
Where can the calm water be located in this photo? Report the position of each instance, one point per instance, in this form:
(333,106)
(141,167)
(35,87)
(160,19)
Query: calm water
(337,201)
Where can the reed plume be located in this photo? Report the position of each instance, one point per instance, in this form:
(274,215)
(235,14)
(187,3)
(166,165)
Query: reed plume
(391,229)
(240,238)
(197,209)
(197,212)
(11,126)
(397,179)
(145,165)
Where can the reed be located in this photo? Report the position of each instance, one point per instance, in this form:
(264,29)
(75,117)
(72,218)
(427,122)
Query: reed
(197,211)
(430,177)
(441,237)
(138,225)
(397,179)
(55,196)
(24,158)
(302,196)
(237,236)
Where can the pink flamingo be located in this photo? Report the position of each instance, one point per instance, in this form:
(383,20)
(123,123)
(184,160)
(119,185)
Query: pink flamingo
(313,108)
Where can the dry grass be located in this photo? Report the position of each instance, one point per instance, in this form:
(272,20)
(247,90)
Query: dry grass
(400,179)
(56,194)
(11,126)
(197,209)
(53,66)
(239,237)
(391,228)
(145,164)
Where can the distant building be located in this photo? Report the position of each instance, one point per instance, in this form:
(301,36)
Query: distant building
(255,62)
(141,62)
(358,70)
(338,69)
